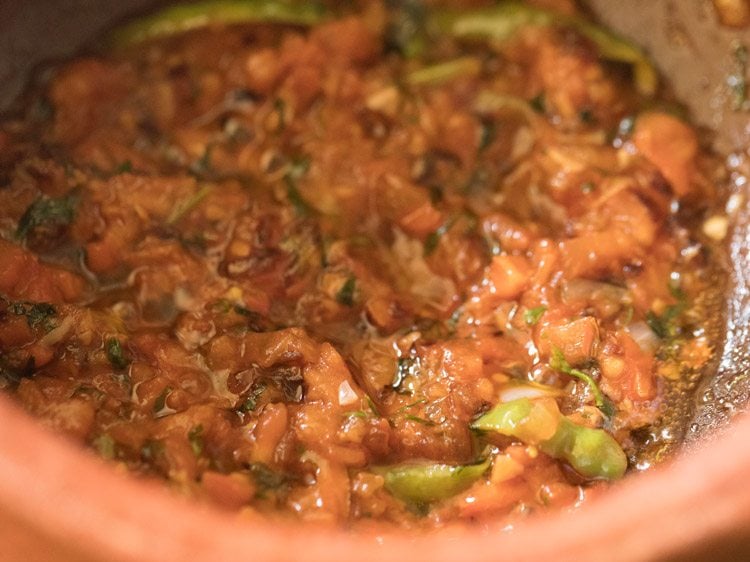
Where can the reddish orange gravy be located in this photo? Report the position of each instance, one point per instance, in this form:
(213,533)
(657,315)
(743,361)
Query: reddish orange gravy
(261,263)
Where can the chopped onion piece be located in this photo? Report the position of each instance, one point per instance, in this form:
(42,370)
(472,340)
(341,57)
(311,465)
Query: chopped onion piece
(57,334)
(513,390)
(644,336)
(347,395)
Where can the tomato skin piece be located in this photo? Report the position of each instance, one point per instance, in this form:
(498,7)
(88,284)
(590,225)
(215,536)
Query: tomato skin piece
(24,277)
(671,146)
(509,276)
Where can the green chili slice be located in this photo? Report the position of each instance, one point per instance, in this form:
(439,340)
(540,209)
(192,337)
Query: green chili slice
(425,483)
(503,21)
(180,18)
(593,453)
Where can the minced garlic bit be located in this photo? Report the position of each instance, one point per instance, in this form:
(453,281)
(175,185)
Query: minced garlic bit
(716,227)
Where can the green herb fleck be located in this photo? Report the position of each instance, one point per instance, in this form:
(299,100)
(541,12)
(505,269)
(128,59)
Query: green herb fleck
(737,81)
(559,363)
(123,168)
(372,406)
(665,325)
(409,406)
(405,32)
(487,134)
(301,206)
(105,446)
(432,241)
(152,449)
(587,116)
(538,103)
(433,238)
(417,419)
(532,315)
(266,478)
(453,321)
(203,166)
(182,208)
(345,295)
(279,107)
(372,411)
(251,402)
(195,436)
(46,217)
(676,290)
(36,313)
(115,354)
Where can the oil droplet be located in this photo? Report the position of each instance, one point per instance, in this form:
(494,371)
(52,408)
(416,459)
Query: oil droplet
(667,434)
(643,465)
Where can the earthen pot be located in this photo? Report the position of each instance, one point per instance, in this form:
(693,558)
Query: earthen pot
(58,502)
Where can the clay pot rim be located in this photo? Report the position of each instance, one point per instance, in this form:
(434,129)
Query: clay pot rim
(71,497)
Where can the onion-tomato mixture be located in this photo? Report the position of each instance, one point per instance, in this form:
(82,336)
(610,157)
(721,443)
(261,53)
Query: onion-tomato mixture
(408,262)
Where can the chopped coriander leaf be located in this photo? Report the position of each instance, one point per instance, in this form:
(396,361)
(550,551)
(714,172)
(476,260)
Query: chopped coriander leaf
(45,217)
(487,134)
(587,116)
(279,108)
(195,436)
(676,291)
(295,197)
(452,322)
(251,402)
(152,449)
(105,446)
(115,354)
(36,313)
(412,405)
(417,419)
(123,168)
(203,165)
(182,208)
(538,103)
(433,239)
(357,414)
(737,80)
(372,406)
(299,167)
(559,363)
(345,295)
(532,315)
(405,31)
(665,325)
(266,478)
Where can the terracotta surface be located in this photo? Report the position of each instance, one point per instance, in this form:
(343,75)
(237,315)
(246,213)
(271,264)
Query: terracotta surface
(59,503)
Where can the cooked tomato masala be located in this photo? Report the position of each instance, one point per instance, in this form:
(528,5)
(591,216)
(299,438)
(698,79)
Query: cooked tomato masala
(412,263)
